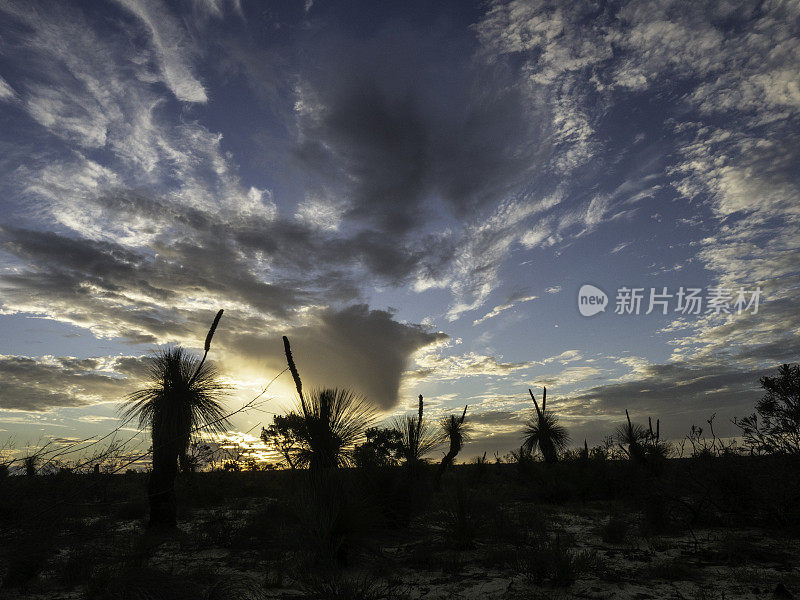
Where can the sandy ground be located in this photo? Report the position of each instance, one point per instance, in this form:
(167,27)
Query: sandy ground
(704,565)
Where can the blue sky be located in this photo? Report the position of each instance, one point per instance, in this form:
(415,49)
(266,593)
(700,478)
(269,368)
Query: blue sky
(413,192)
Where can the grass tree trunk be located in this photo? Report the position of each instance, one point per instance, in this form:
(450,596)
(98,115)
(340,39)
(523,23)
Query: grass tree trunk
(447,462)
(161,487)
(548,450)
(453,427)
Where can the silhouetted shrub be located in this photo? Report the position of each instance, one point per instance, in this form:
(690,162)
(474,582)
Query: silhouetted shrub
(381,449)
(340,586)
(556,562)
(543,432)
(141,584)
(775,426)
(24,556)
(80,563)
(616,529)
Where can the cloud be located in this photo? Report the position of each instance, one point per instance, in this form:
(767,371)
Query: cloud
(502,307)
(728,66)
(433,366)
(38,384)
(362,349)
(671,390)
(171,46)
(6,91)
(376,124)
(398,126)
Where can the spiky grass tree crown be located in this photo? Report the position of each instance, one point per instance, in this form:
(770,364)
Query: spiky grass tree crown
(456,430)
(334,421)
(418,437)
(543,431)
(183,395)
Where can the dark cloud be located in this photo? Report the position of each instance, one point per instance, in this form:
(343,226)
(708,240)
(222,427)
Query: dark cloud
(363,349)
(31,384)
(402,121)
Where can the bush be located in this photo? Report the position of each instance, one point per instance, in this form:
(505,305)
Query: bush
(141,584)
(557,563)
(80,564)
(616,529)
(464,517)
(24,557)
(338,586)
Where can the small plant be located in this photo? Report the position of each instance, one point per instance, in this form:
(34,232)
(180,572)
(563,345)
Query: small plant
(25,557)
(558,564)
(616,529)
(705,447)
(31,465)
(80,564)
(706,592)
(339,586)
(642,446)
(668,569)
(330,519)
(463,518)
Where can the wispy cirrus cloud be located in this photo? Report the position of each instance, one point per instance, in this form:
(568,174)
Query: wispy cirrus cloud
(503,307)
(172,47)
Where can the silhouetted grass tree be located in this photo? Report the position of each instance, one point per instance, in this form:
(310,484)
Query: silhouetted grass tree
(775,426)
(631,438)
(642,445)
(544,432)
(455,430)
(418,437)
(183,396)
(333,421)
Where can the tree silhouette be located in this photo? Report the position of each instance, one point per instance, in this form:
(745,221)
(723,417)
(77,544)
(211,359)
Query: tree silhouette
(284,436)
(775,426)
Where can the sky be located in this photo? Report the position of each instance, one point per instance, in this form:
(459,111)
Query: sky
(414,192)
